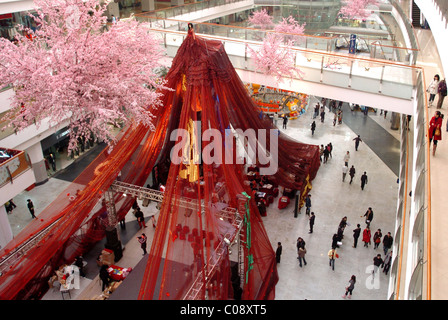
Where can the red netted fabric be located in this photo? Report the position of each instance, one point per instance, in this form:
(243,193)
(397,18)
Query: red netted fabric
(189,258)
(205,202)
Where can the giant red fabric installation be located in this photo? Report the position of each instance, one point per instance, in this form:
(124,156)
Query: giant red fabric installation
(204,193)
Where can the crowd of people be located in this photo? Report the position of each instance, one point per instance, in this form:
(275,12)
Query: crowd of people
(375,240)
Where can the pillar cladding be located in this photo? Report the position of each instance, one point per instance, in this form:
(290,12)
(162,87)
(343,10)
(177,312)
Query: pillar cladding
(395,121)
(148,5)
(36,157)
(5,228)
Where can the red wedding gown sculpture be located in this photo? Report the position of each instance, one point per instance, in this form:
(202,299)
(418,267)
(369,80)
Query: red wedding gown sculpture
(205,204)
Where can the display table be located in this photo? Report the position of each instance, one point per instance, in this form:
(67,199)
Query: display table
(118,273)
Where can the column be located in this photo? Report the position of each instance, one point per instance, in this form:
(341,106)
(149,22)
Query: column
(148,5)
(5,228)
(38,162)
(395,121)
(177,2)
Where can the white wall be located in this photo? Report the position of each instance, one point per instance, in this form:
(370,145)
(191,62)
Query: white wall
(439,31)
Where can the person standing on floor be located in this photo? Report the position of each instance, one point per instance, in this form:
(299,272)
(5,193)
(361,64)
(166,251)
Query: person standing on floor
(104,276)
(142,240)
(322,116)
(350,287)
(312,218)
(140,218)
(321,151)
(313,127)
(366,237)
(377,238)
(339,116)
(377,263)
(326,154)
(30,206)
(278,252)
(301,254)
(363,180)
(308,204)
(334,241)
(357,141)
(344,172)
(335,119)
(330,149)
(300,244)
(285,121)
(352,173)
(432,89)
(369,216)
(441,93)
(346,158)
(332,255)
(275,118)
(387,262)
(316,110)
(388,240)
(435,130)
(356,233)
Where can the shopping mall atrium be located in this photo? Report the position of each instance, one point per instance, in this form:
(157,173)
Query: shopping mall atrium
(213,230)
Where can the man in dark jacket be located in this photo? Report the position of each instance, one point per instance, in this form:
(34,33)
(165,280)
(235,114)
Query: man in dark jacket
(356,234)
(363,180)
(387,242)
(377,263)
(312,217)
(352,172)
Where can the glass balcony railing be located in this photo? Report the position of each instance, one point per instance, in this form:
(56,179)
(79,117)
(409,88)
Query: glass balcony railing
(12,164)
(367,47)
(341,70)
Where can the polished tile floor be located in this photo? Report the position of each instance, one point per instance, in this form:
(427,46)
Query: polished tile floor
(332,199)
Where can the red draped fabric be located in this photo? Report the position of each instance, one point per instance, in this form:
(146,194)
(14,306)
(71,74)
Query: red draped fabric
(188,250)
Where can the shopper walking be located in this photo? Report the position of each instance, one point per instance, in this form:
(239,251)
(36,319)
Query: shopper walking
(308,204)
(435,130)
(377,238)
(30,206)
(278,252)
(356,233)
(285,121)
(322,116)
(142,240)
(302,253)
(346,158)
(363,180)
(300,244)
(377,263)
(366,237)
(388,240)
(104,276)
(433,88)
(352,172)
(357,141)
(332,255)
(312,218)
(387,262)
(344,172)
(441,93)
(369,216)
(140,218)
(350,287)
(313,128)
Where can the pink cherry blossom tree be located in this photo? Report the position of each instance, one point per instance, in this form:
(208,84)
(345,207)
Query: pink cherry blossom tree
(291,26)
(275,56)
(260,19)
(356,8)
(76,68)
